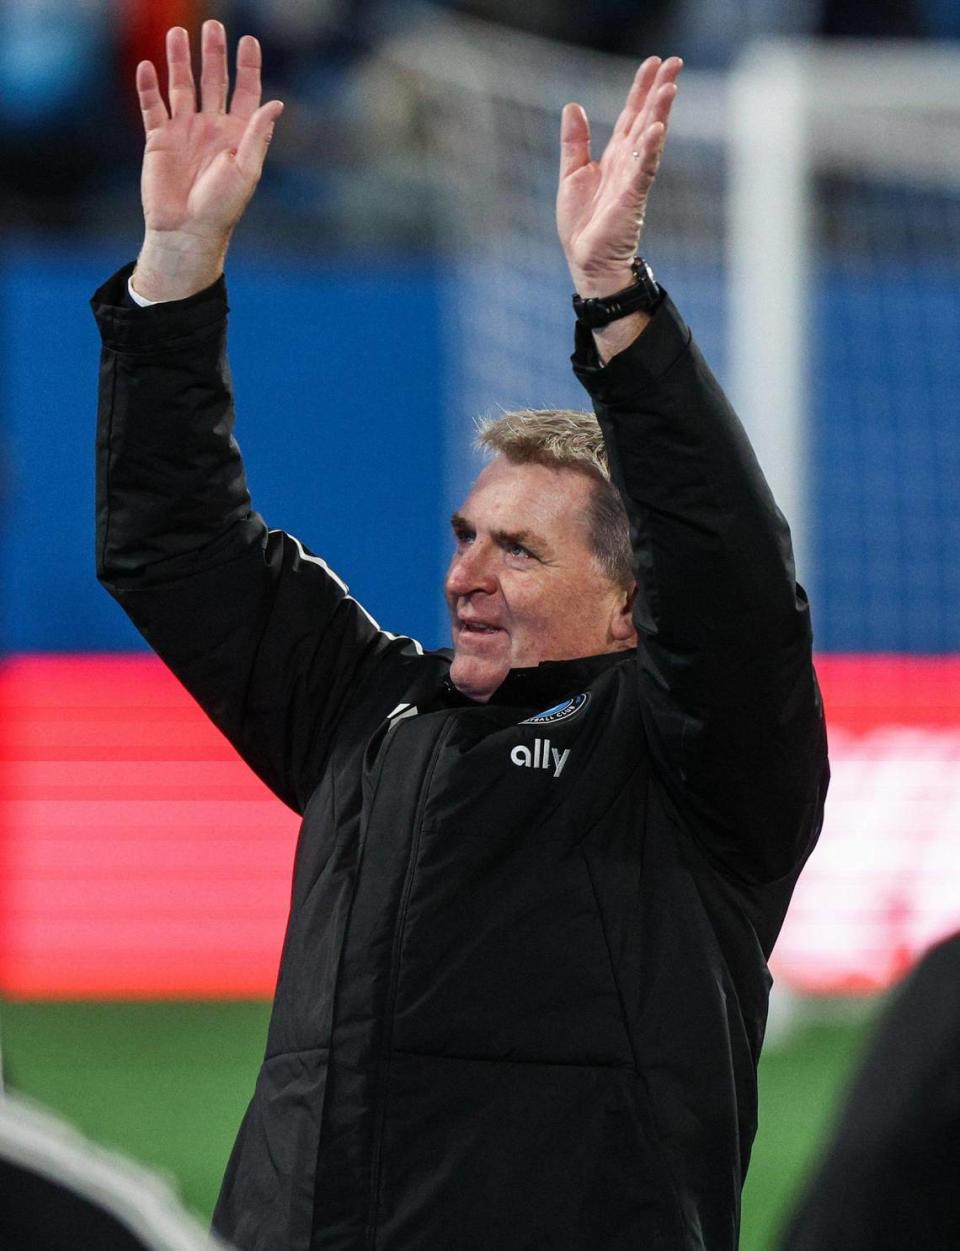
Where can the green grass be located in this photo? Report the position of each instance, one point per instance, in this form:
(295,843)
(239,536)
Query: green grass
(168,1083)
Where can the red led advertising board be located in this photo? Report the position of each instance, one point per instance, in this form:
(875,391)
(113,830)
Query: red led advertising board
(141,858)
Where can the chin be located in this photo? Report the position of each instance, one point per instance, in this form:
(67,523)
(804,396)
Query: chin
(477,679)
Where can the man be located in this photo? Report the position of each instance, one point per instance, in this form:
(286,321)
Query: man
(523,985)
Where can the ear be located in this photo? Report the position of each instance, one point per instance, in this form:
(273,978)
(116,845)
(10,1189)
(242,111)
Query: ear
(622,629)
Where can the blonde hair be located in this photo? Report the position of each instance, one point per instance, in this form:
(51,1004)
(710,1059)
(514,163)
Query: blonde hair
(563,438)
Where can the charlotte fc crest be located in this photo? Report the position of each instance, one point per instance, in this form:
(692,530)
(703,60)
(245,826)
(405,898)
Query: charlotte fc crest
(561,712)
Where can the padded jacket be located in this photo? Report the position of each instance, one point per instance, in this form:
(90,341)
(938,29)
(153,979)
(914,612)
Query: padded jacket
(524,983)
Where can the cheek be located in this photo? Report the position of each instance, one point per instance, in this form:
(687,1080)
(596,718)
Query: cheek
(571,619)
(546,614)
(567,600)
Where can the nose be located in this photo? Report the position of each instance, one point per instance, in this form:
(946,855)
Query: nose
(471,571)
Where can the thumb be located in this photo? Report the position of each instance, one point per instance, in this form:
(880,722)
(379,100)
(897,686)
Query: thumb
(252,150)
(574,140)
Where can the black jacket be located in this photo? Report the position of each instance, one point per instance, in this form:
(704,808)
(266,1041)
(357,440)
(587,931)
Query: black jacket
(520,1004)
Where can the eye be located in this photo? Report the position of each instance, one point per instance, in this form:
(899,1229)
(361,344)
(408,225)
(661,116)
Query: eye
(517,549)
(464,535)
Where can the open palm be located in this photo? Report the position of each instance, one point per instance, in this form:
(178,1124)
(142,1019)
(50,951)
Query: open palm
(201,164)
(601,204)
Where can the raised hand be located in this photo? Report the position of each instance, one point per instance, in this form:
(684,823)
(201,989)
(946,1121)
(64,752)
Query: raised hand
(601,205)
(201,165)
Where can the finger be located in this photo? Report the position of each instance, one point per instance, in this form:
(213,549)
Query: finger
(246,93)
(660,97)
(152,108)
(183,97)
(252,150)
(648,154)
(642,81)
(574,140)
(213,68)
(648,145)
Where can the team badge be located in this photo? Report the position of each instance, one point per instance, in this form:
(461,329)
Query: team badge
(560,712)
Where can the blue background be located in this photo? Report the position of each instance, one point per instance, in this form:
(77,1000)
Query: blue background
(337,376)
(339,372)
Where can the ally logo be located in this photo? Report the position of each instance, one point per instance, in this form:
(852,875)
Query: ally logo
(540,756)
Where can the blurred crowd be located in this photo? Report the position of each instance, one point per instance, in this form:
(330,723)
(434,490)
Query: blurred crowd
(70,133)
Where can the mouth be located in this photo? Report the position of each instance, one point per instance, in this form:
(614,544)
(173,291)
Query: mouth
(477,629)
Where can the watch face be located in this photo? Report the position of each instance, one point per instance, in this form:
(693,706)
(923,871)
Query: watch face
(646,281)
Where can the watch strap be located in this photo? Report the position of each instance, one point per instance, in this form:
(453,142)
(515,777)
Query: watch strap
(644,295)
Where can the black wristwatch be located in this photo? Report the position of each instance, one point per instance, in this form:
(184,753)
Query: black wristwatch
(642,297)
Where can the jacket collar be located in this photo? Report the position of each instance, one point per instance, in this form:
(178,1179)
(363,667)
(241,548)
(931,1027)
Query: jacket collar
(547,683)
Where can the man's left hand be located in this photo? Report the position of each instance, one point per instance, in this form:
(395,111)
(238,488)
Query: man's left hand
(601,205)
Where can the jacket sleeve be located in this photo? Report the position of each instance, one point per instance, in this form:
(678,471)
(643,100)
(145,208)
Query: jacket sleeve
(727,687)
(257,628)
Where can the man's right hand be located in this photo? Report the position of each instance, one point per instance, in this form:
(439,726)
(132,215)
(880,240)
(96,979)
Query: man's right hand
(201,165)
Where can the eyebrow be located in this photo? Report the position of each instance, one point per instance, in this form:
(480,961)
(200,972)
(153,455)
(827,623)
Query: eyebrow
(526,538)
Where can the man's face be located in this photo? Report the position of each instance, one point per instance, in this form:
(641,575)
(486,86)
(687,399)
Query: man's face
(524,585)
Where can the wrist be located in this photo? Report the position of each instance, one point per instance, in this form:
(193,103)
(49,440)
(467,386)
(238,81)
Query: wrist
(600,285)
(640,295)
(602,277)
(173,265)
